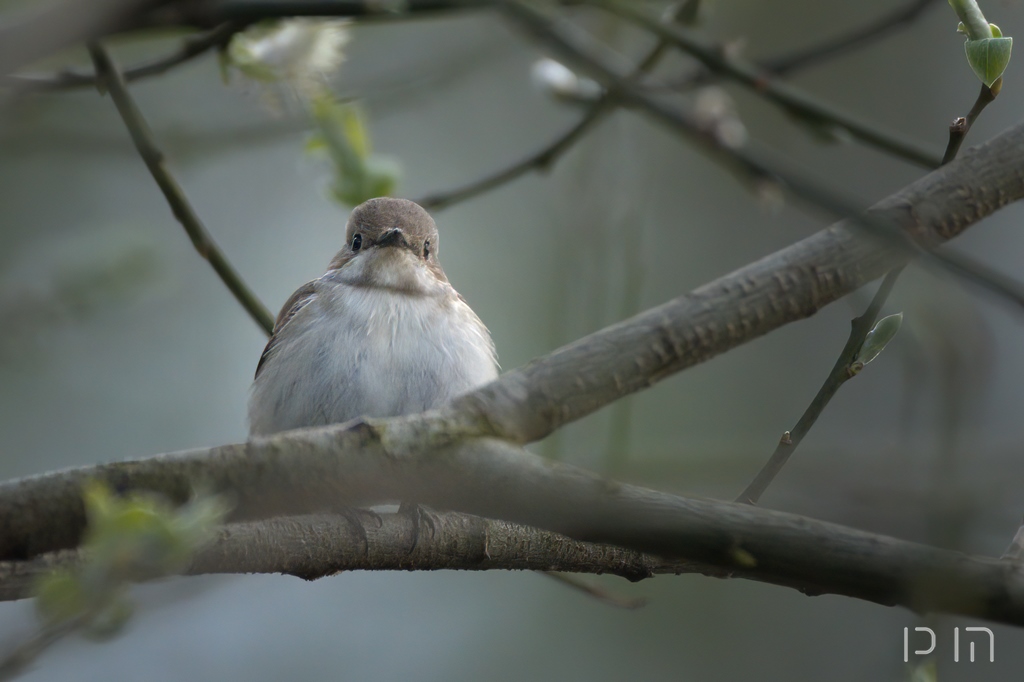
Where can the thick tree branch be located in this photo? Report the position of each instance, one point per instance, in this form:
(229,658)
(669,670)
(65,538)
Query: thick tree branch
(346,466)
(319,545)
(436,459)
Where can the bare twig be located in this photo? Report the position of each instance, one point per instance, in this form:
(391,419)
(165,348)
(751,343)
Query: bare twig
(858,37)
(858,333)
(597,592)
(839,375)
(578,48)
(539,160)
(788,97)
(245,12)
(543,158)
(190,48)
(959,128)
(141,135)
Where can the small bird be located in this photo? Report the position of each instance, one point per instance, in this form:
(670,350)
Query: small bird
(382,333)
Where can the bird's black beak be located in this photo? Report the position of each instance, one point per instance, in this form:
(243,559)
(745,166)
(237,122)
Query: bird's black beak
(393,237)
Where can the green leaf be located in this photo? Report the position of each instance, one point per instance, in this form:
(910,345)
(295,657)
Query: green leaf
(343,136)
(876,340)
(60,597)
(989,57)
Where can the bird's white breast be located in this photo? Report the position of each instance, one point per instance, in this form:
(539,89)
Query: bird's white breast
(369,351)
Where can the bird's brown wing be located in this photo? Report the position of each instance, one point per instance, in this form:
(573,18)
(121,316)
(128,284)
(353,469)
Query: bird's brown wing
(302,296)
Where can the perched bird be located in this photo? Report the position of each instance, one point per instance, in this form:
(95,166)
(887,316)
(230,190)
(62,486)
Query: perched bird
(381,333)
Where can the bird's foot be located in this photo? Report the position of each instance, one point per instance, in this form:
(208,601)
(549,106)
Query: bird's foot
(357,518)
(418,514)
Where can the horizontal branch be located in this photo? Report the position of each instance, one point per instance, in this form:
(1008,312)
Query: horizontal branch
(191,48)
(210,13)
(44,513)
(364,461)
(319,545)
(438,459)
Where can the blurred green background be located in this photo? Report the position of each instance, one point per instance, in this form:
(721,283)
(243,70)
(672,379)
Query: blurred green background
(117,340)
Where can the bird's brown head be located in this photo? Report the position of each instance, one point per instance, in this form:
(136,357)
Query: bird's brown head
(387,236)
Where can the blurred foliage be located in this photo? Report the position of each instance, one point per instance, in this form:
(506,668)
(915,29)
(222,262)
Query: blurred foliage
(299,54)
(135,537)
(341,134)
(924,672)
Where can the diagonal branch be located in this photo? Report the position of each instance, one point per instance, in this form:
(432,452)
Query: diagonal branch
(543,158)
(859,330)
(790,98)
(436,458)
(829,48)
(839,375)
(747,161)
(142,137)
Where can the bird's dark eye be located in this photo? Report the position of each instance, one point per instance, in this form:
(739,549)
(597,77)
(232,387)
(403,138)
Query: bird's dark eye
(357,242)
(426,249)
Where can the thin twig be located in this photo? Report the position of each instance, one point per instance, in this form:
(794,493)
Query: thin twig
(142,136)
(791,99)
(190,48)
(856,38)
(543,158)
(539,160)
(839,375)
(858,333)
(749,163)
(959,128)
(597,592)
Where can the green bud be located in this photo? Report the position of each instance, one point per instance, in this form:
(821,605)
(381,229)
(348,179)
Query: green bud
(876,340)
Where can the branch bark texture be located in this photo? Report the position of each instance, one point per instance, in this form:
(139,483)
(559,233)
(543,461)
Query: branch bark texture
(460,457)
